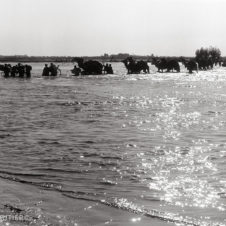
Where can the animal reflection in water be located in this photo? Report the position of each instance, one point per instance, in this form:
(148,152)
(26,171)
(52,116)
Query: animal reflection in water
(17,70)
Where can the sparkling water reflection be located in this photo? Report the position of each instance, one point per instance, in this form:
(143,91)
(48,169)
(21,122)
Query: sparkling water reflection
(151,144)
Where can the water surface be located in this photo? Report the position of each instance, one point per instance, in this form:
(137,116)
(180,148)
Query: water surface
(128,149)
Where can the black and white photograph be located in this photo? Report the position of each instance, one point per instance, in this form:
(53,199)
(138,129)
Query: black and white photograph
(113,112)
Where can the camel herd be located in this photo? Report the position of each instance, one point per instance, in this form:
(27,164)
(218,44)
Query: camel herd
(162,64)
(93,67)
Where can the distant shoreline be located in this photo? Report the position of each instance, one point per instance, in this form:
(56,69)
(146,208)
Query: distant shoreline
(68,59)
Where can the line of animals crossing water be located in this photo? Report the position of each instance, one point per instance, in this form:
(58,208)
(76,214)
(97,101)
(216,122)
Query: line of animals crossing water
(203,61)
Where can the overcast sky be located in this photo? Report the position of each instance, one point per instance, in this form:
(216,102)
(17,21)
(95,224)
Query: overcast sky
(95,27)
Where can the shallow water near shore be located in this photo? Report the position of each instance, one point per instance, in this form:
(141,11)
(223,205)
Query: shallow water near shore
(114,149)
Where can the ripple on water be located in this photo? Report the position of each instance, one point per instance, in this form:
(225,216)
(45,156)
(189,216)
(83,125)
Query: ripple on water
(153,145)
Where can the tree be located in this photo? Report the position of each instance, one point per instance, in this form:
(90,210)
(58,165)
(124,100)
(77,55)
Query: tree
(205,54)
(202,54)
(215,54)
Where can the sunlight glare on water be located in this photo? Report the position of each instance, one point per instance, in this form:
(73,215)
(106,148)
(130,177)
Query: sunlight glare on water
(153,145)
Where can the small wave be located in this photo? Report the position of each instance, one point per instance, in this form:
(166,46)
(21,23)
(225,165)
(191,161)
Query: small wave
(44,185)
(48,142)
(123,204)
(59,170)
(118,203)
(88,121)
(3,136)
(112,157)
(104,163)
(57,159)
(214,113)
(89,142)
(21,174)
(73,103)
(108,182)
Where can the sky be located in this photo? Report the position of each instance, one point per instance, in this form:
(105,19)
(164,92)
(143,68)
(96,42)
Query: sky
(95,27)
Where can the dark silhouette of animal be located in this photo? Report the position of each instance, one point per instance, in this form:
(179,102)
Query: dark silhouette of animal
(108,69)
(191,65)
(2,68)
(28,69)
(164,64)
(6,68)
(90,67)
(205,64)
(136,67)
(53,70)
(220,62)
(45,71)
(76,71)
(19,69)
(161,64)
(14,71)
(223,64)
(173,65)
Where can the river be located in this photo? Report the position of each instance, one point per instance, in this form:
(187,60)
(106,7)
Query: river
(114,149)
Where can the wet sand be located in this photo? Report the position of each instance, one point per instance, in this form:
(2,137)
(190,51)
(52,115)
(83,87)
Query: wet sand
(43,206)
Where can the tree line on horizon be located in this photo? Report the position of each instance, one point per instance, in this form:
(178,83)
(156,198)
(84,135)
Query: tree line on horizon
(200,54)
